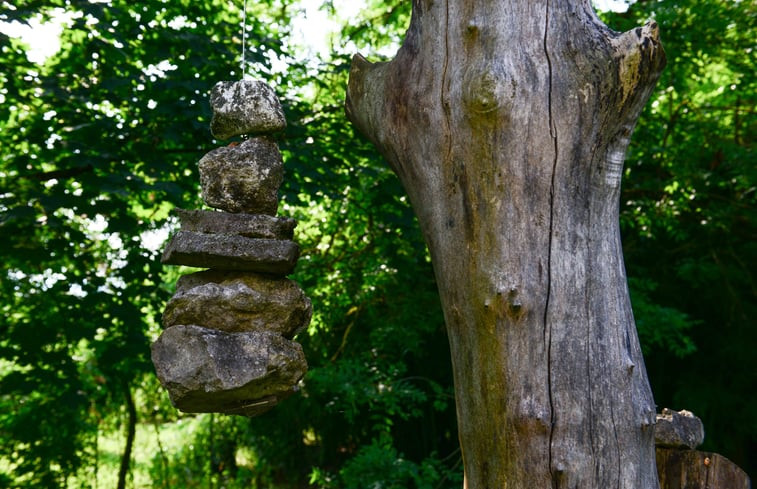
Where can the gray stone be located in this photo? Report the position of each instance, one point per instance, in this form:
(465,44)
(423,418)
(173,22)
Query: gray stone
(244,107)
(205,370)
(678,429)
(237,301)
(243,178)
(248,225)
(231,252)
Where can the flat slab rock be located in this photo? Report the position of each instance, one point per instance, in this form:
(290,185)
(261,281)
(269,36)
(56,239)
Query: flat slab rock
(678,429)
(247,225)
(205,370)
(692,469)
(243,178)
(237,302)
(244,107)
(232,253)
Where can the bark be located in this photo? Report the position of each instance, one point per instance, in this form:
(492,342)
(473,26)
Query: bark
(508,122)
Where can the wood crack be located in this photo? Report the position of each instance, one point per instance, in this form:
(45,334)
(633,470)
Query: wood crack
(547,329)
(444,83)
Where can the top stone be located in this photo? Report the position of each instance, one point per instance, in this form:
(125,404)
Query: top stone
(244,107)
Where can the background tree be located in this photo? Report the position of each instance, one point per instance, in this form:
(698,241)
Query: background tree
(376,407)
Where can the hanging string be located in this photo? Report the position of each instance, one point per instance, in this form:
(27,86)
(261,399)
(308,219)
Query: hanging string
(244,37)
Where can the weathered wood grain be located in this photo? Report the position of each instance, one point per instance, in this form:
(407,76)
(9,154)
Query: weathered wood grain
(507,122)
(692,469)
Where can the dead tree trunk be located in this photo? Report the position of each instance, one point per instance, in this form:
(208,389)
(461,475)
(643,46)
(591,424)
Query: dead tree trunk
(507,122)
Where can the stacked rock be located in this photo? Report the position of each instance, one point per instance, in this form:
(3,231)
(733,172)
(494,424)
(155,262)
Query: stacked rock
(227,346)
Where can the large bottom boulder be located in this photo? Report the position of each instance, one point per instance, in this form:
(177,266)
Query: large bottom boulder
(206,370)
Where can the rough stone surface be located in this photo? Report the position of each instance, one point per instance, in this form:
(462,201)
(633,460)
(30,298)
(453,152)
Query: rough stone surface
(243,178)
(248,225)
(205,370)
(236,302)
(244,107)
(231,252)
(692,469)
(678,429)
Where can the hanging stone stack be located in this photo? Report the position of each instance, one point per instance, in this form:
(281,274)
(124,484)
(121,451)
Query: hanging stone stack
(227,345)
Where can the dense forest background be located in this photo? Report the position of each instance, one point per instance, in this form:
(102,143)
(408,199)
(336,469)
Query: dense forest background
(99,143)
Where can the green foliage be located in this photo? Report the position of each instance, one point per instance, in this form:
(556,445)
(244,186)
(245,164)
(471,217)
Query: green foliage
(661,328)
(99,144)
(206,458)
(380,466)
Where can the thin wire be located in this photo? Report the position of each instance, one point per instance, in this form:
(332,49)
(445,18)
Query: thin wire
(244,37)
